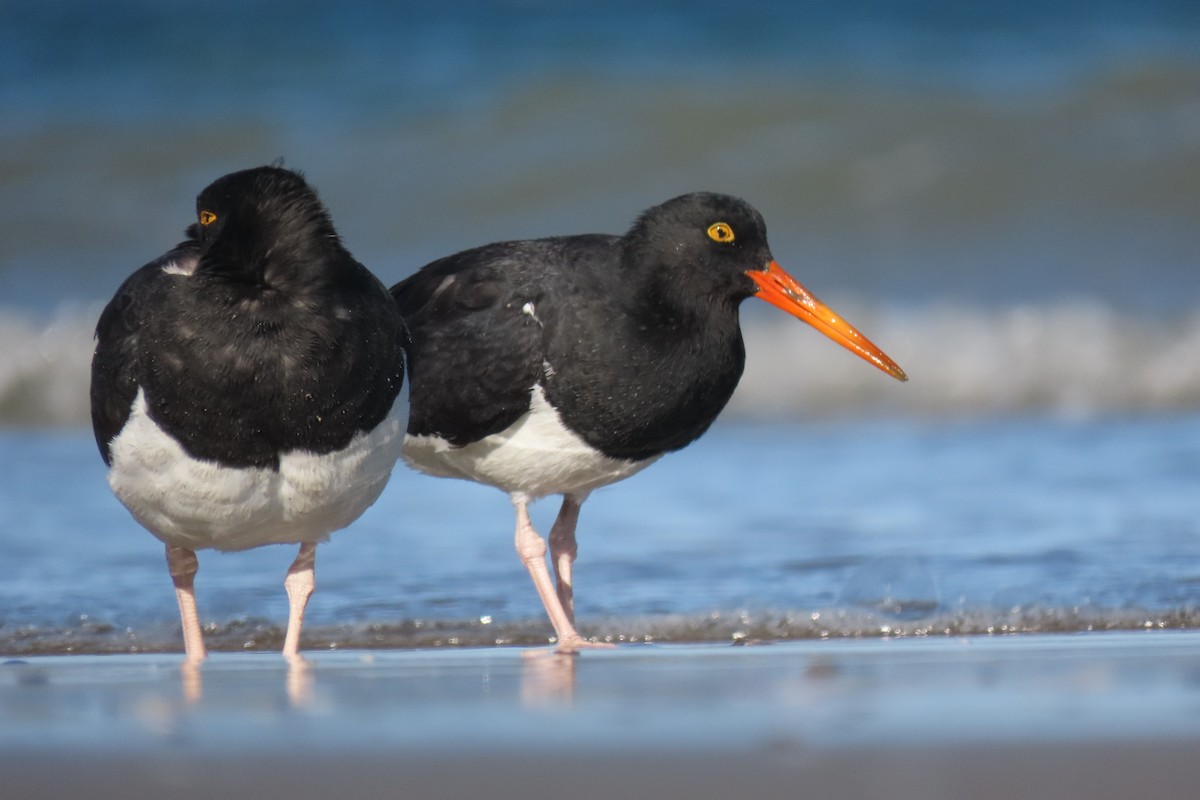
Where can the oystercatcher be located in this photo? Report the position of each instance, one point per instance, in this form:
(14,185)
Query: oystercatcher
(559,365)
(244,385)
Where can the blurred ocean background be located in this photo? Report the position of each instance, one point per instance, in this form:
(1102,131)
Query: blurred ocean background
(1005,197)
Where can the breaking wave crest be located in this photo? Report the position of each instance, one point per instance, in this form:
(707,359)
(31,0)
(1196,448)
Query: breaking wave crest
(1072,359)
(44,367)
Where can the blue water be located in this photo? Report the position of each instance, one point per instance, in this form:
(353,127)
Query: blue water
(756,532)
(1004,198)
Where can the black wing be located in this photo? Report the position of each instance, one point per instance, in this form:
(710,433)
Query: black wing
(114,363)
(476,343)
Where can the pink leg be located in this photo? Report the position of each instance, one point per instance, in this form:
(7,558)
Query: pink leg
(182,564)
(532,549)
(563,550)
(299,585)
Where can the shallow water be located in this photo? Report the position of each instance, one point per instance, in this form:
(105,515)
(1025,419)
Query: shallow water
(756,532)
(698,699)
(1094,716)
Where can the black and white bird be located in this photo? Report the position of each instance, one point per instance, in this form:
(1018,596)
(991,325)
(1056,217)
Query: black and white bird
(560,365)
(244,385)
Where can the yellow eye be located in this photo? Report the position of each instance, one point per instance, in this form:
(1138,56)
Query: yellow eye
(207,218)
(720,232)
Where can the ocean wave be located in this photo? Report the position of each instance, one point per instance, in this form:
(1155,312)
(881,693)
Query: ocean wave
(45,366)
(1072,358)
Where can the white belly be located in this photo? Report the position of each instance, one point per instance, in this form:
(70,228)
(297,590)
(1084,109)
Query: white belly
(200,504)
(535,456)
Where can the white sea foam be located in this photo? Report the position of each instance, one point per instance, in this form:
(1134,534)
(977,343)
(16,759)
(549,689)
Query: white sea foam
(1068,358)
(44,366)
(1071,358)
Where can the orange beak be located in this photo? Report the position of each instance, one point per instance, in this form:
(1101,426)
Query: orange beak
(782,290)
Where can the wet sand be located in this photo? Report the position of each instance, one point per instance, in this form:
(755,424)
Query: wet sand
(1100,715)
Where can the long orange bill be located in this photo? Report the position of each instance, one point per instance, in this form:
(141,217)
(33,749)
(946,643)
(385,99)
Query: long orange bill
(782,290)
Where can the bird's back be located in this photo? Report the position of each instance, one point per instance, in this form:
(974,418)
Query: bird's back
(477,325)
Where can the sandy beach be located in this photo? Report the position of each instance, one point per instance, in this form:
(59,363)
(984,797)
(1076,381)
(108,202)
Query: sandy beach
(1090,715)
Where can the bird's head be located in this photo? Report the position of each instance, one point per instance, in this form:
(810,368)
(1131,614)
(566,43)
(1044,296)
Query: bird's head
(261,220)
(704,249)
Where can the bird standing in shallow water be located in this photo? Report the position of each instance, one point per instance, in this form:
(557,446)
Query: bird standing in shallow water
(244,385)
(556,366)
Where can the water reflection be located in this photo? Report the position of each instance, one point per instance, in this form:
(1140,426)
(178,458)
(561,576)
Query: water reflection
(298,682)
(547,679)
(192,681)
